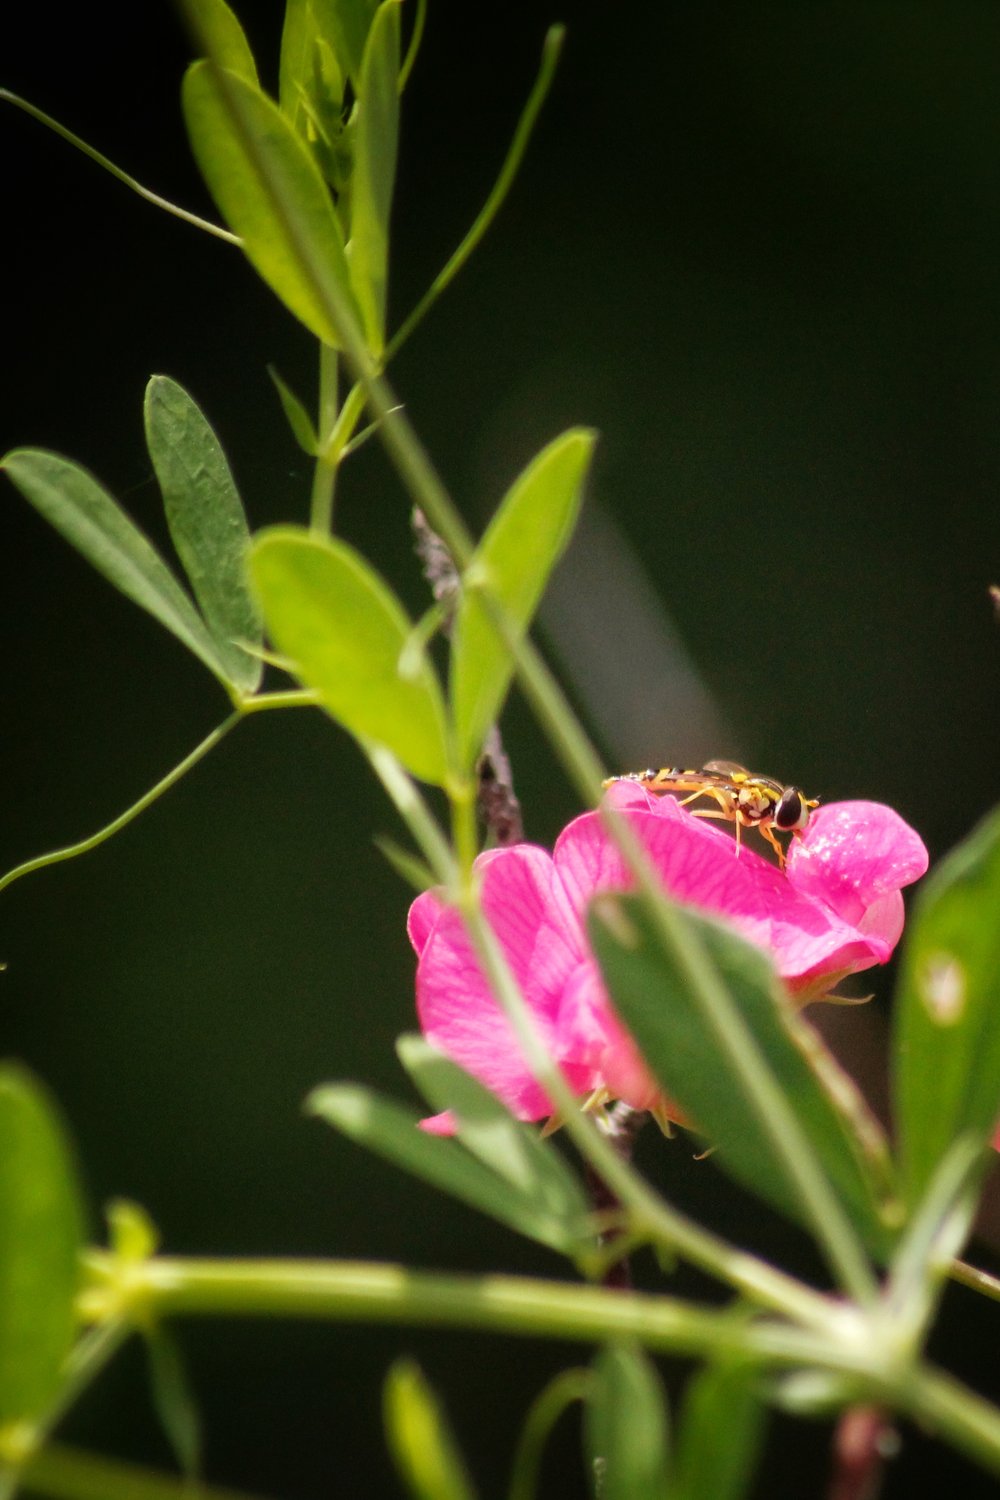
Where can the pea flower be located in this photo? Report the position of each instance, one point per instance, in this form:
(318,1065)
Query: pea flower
(835,909)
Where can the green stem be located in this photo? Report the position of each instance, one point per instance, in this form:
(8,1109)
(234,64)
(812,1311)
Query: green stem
(122,176)
(146,800)
(566,1388)
(951,1411)
(979,1281)
(325,472)
(66,1473)
(494,203)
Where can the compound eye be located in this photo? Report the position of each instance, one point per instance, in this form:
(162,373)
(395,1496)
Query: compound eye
(792,812)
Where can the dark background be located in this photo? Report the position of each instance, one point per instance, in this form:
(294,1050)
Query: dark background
(757,247)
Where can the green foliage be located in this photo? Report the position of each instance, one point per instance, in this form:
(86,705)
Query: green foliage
(511,566)
(719,1434)
(946,1040)
(348,22)
(393,1132)
(344,632)
(84,513)
(41,1233)
(376,131)
(207,523)
(173,1399)
(627,1430)
(225,38)
(299,420)
(270,191)
(420,1439)
(311,82)
(518,1153)
(727,1046)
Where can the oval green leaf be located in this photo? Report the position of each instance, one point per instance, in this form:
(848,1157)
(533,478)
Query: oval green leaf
(376,135)
(758,1081)
(512,563)
(332,616)
(271,193)
(393,1132)
(512,1150)
(946,1026)
(224,38)
(84,513)
(419,1438)
(720,1433)
(207,523)
(627,1429)
(41,1237)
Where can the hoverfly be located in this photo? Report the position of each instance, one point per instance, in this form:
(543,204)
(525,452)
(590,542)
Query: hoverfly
(741,797)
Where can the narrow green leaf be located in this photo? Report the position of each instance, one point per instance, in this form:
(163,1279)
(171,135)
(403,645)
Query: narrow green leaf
(225,38)
(173,1399)
(514,1151)
(92,522)
(408,866)
(299,420)
(207,523)
(946,1035)
(376,135)
(311,83)
(627,1430)
(719,1435)
(349,22)
(344,631)
(707,1072)
(270,192)
(393,1132)
(512,563)
(41,1237)
(420,1439)
(72,1474)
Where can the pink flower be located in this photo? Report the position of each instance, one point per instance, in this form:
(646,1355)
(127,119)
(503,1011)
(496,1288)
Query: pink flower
(835,909)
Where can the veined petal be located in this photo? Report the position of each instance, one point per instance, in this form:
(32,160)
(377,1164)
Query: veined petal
(854,853)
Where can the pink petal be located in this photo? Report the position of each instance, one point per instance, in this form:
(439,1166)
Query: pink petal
(852,854)
(456,1008)
(591,1033)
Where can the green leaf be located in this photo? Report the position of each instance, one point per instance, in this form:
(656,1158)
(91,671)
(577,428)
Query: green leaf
(393,1132)
(946,1031)
(41,1237)
(348,21)
(715,1068)
(173,1399)
(376,135)
(224,38)
(92,522)
(719,1435)
(627,1427)
(344,631)
(311,82)
(419,1438)
(299,420)
(512,563)
(485,1127)
(271,193)
(207,523)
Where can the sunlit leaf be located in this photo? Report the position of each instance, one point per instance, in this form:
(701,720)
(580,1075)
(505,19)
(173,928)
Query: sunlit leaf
(393,1132)
(207,523)
(311,81)
(706,1070)
(512,562)
(41,1236)
(376,132)
(719,1434)
(627,1427)
(420,1439)
(271,193)
(344,631)
(92,522)
(946,1037)
(514,1151)
(225,38)
(348,21)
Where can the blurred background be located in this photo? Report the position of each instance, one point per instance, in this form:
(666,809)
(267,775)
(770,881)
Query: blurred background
(757,248)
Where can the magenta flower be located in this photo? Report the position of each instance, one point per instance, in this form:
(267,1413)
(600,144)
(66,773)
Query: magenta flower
(835,909)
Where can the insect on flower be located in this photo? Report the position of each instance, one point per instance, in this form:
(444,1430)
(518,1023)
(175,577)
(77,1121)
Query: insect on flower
(741,796)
